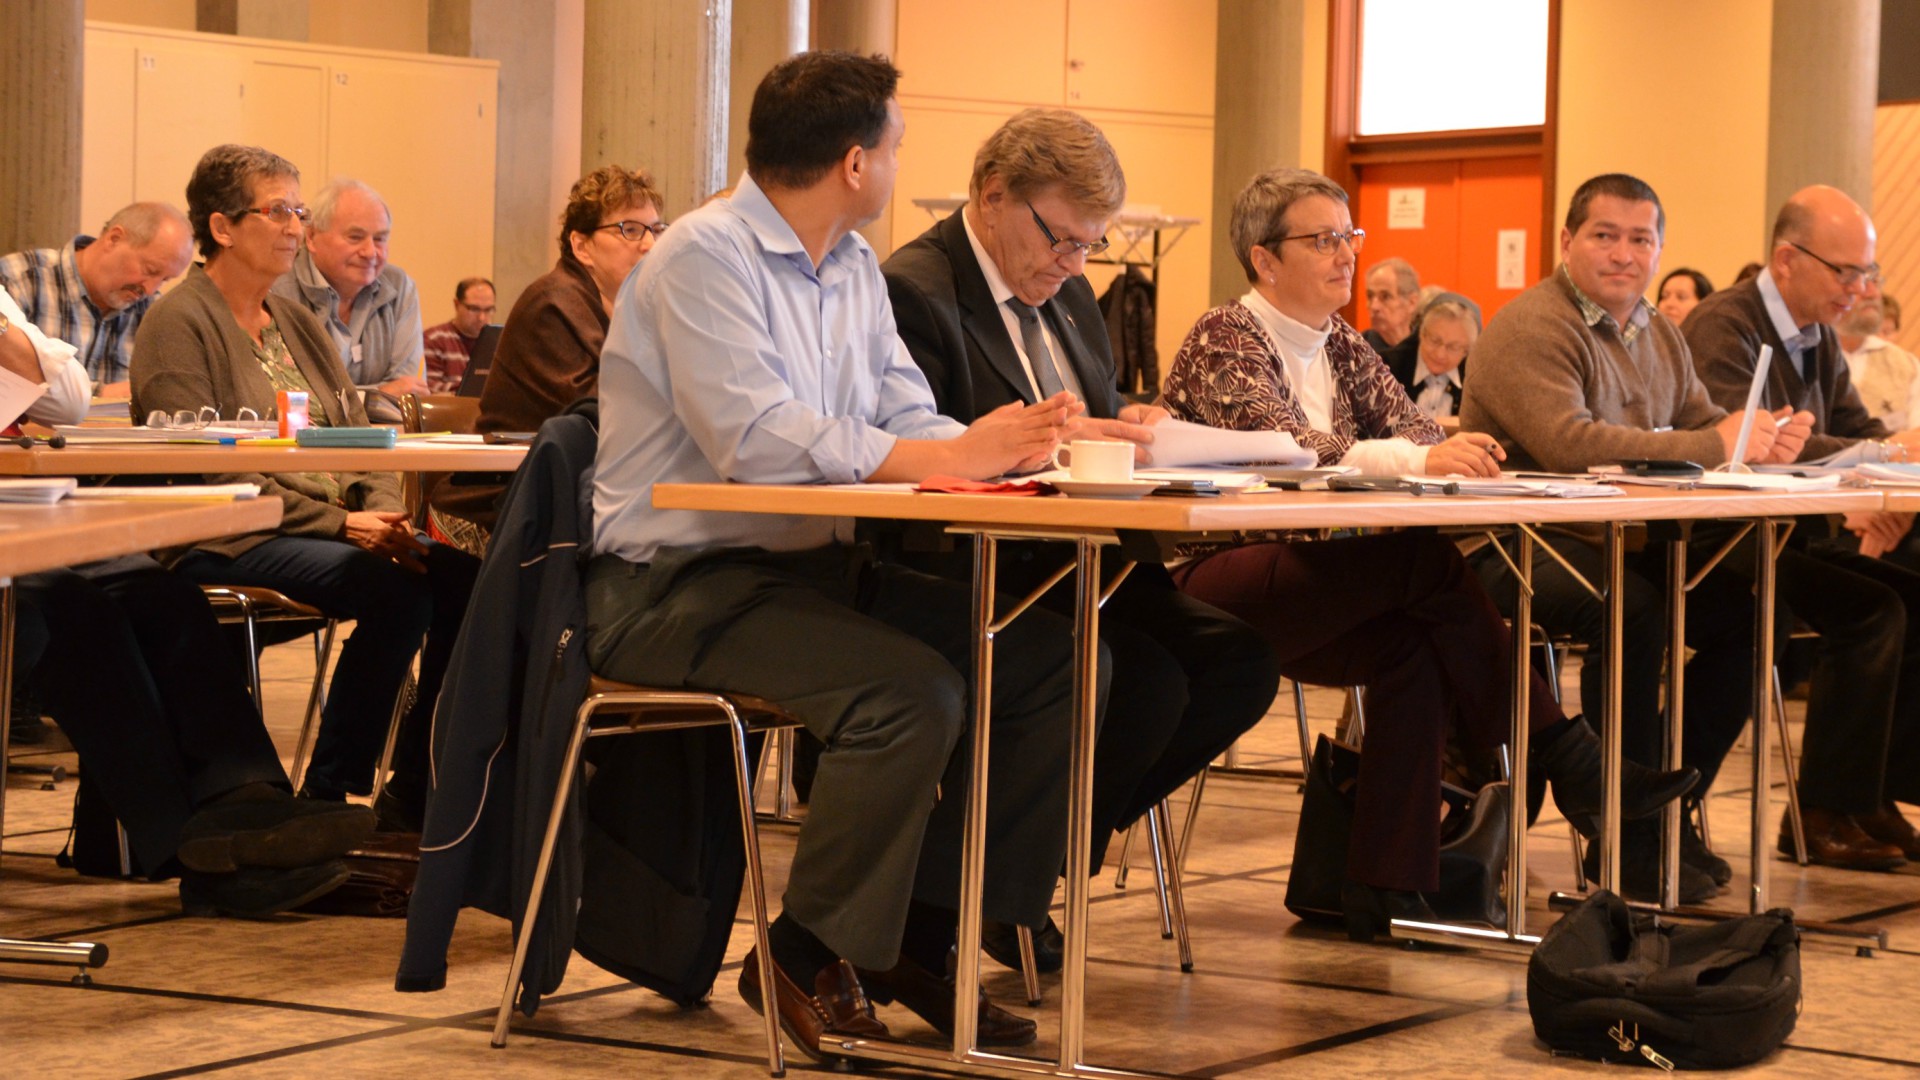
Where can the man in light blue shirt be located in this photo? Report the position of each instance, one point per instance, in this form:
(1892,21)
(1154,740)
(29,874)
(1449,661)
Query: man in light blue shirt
(756,344)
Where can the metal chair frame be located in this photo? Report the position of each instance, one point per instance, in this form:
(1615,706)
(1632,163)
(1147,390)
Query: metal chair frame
(637,709)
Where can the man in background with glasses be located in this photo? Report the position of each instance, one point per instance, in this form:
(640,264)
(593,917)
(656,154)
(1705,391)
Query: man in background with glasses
(92,293)
(995,308)
(370,307)
(1861,752)
(450,345)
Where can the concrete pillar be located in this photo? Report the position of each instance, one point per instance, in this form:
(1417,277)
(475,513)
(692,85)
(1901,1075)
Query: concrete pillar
(656,97)
(285,20)
(865,27)
(765,32)
(40,92)
(1825,84)
(538,150)
(1257,114)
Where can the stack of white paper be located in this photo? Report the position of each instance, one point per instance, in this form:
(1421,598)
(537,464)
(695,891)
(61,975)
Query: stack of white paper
(170,491)
(1178,445)
(1758,481)
(1894,473)
(36,489)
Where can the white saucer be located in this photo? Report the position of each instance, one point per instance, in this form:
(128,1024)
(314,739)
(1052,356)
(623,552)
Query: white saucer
(1119,489)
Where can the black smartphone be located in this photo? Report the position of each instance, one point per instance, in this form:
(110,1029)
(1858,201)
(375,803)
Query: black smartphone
(510,436)
(1685,470)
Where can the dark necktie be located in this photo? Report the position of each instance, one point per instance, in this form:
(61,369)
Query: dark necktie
(1038,354)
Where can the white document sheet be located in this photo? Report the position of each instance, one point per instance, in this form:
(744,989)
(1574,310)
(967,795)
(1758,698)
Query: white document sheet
(1178,444)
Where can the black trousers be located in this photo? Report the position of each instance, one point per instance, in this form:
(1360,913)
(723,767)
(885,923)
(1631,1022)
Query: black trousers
(1188,681)
(1719,678)
(1862,740)
(128,658)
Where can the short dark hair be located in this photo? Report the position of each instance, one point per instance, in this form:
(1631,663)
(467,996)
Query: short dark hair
(460,290)
(1702,287)
(223,182)
(811,109)
(1620,186)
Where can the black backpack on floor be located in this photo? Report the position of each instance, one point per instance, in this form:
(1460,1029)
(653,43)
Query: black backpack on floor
(1609,985)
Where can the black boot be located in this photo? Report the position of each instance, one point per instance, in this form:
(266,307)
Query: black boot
(1571,763)
(1369,911)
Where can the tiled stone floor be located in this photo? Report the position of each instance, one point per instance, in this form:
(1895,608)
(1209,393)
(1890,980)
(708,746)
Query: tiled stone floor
(311,996)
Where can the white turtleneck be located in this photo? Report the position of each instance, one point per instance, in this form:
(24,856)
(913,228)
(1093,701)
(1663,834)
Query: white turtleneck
(1303,352)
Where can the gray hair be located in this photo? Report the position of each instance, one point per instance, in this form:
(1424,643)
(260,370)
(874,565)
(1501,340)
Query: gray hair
(1451,306)
(223,183)
(1040,148)
(1260,210)
(1406,280)
(320,210)
(141,221)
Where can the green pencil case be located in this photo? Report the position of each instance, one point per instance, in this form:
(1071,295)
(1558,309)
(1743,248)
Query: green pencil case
(379,438)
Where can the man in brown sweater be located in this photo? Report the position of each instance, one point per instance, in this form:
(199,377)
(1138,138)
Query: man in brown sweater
(1862,743)
(1579,370)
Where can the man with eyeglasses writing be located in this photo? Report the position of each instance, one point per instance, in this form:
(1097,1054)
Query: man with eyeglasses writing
(1862,747)
(994,308)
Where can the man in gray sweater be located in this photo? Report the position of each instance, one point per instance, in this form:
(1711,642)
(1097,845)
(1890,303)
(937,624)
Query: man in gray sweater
(1580,370)
(1862,745)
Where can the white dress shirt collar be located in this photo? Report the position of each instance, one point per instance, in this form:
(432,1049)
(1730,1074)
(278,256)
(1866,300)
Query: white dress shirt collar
(1796,339)
(996,284)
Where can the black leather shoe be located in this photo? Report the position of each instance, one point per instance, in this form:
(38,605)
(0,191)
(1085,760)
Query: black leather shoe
(1571,763)
(262,826)
(1002,942)
(931,998)
(1695,853)
(1836,839)
(256,893)
(1370,911)
(1640,876)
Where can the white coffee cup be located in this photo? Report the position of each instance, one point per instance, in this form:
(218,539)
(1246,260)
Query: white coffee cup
(1096,461)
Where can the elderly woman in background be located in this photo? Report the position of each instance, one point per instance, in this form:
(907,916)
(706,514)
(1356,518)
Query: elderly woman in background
(549,353)
(1431,362)
(344,544)
(1680,291)
(1398,612)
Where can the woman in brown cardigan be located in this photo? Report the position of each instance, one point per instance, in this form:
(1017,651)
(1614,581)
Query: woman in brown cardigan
(549,354)
(344,544)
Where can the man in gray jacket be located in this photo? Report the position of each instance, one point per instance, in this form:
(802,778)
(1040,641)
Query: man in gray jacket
(1580,370)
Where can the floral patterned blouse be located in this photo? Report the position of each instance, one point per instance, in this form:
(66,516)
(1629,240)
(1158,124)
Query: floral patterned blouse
(1229,374)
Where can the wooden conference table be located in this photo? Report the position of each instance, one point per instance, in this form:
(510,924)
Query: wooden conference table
(38,538)
(155,458)
(1091,524)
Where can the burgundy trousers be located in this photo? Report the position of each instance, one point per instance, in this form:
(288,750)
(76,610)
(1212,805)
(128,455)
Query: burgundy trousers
(1402,615)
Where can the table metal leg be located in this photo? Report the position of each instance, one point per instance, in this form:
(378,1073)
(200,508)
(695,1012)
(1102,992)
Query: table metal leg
(1616,608)
(1676,719)
(81,955)
(1763,568)
(973,848)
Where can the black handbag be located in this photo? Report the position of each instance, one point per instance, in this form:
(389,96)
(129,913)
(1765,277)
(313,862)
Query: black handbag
(1473,850)
(1607,984)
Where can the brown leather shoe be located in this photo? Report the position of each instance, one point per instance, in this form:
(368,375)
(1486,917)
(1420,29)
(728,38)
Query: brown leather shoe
(932,999)
(1889,826)
(1835,839)
(837,1008)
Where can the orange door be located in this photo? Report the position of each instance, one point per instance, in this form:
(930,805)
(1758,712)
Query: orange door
(1456,238)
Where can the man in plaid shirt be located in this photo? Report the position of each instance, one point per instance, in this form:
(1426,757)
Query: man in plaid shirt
(92,293)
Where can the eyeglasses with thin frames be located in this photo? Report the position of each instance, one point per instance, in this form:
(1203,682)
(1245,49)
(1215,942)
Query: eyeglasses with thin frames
(1849,276)
(279,212)
(1067,247)
(1326,242)
(634,231)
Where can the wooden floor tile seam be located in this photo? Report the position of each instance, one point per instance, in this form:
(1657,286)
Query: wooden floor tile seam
(1333,1042)
(1853,1055)
(1303,984)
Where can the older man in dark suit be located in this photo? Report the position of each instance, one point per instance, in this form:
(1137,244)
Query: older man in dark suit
(993,305)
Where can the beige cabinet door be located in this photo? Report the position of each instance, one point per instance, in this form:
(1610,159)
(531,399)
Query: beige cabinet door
(186,101)
(283,107)
(106,128)
(1011,51)
(1152,56)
